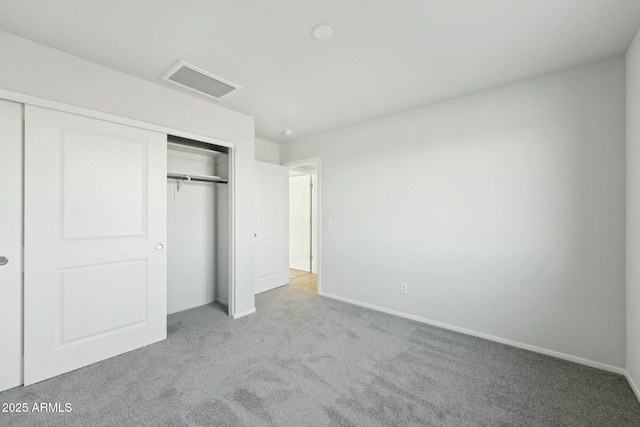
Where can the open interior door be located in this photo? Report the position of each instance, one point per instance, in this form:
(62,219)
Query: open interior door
(95,230)
(271,227)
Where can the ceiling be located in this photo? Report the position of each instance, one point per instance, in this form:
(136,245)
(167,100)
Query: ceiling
(384,57)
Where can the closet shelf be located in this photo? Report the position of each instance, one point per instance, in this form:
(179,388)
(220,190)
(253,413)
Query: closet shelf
(200,178)
(176,146)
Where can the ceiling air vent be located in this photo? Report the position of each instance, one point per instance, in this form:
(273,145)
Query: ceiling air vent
(198,80)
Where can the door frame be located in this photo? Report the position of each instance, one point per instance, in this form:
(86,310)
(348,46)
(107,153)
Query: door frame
(317,209)
(231,293)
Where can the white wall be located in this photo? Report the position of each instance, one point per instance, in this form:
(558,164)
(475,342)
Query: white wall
(502,210)
(37,70)
(191,233)
(633,213)
(267,151)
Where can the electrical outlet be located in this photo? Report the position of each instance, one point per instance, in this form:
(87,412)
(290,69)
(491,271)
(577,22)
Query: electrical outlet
(404,288)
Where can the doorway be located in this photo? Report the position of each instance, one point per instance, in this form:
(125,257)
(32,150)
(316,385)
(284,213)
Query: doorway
(304,239)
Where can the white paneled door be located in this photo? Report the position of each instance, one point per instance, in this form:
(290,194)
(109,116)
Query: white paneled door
(271,227)
(300,222)
(95,230)
(10,245)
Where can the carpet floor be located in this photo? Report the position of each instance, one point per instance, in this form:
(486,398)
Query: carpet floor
(305,360)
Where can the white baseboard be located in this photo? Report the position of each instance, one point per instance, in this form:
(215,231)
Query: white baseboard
(244,313)
(190,306)
(223,302)
(517,344)
(633,385)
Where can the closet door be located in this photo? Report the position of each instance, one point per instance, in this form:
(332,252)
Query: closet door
(95,230)
(10,245)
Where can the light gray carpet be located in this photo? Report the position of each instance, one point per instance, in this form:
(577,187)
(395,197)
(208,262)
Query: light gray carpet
(305,360)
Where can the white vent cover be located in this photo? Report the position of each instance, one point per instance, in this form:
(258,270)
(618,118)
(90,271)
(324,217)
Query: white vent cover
(198,80)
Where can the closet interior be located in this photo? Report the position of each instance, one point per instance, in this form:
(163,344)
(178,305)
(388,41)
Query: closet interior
(197,224)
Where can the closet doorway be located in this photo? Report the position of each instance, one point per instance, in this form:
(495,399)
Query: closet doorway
(304,201)
(198,225)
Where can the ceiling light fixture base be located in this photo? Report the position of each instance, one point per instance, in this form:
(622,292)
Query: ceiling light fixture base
(322,32)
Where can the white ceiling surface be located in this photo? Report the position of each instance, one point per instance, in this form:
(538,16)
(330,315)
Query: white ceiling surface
(385,56)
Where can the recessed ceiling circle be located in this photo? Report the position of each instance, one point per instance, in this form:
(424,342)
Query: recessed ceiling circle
(322,32)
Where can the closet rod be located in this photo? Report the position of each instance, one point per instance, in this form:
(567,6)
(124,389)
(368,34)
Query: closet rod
(201,178)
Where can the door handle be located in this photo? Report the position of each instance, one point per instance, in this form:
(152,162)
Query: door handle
(159,246)
(3,261)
